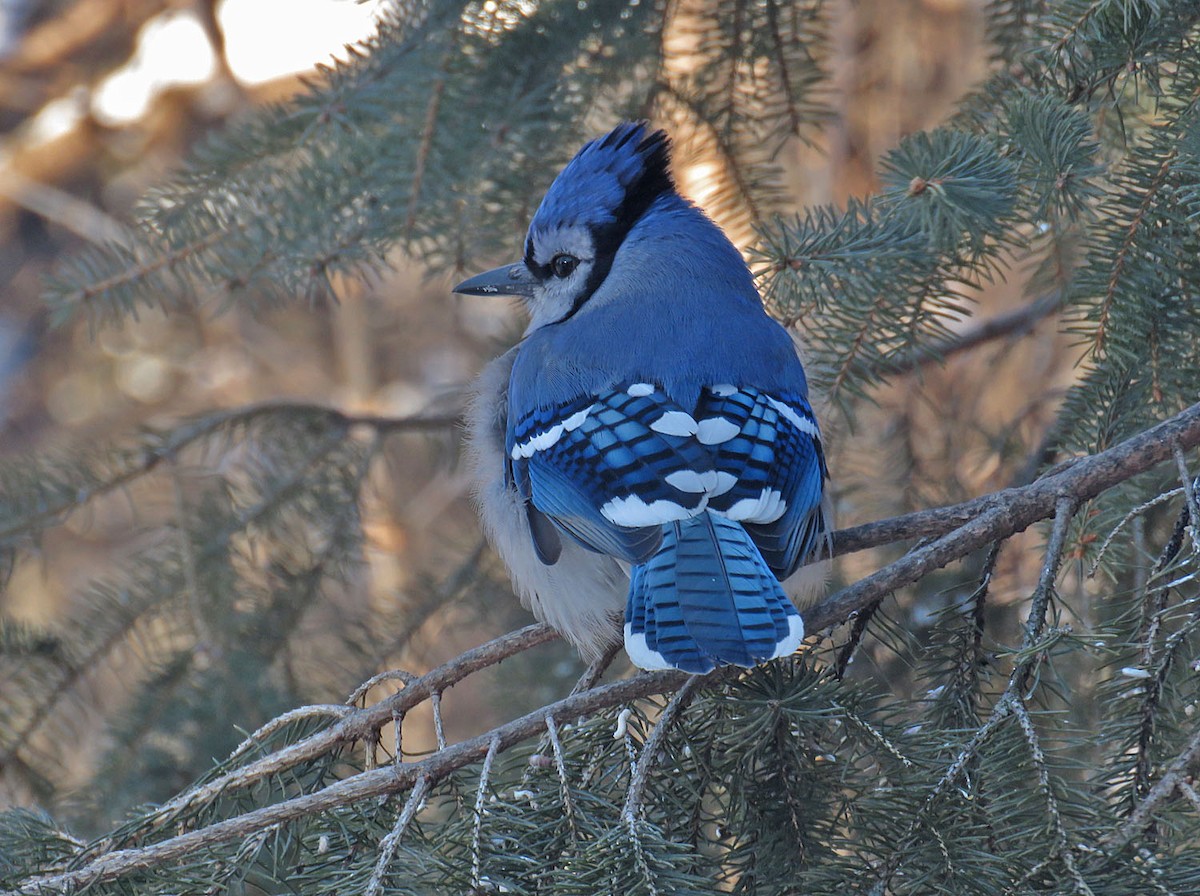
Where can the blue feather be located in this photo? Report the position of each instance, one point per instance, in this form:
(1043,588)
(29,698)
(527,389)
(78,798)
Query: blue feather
(707,599)
(607,469)
(776,451)
(602,470)
(656,414)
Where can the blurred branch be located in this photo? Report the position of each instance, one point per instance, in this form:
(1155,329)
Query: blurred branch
(58,206)
(64,37)
(1011,324)
(170,443)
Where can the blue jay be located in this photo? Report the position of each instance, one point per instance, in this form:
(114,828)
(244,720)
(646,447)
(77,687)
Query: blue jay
(649,443)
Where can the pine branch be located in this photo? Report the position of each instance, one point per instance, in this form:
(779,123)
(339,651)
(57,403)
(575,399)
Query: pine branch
(1128,245)
(1011,702)
(1007,325)
(113,864)
(994,517)
(653,745)
(963,528)
(1179,772)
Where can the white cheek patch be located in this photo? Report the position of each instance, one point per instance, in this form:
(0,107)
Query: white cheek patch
(572,239)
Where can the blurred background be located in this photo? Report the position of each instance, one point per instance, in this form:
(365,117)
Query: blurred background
(102,99)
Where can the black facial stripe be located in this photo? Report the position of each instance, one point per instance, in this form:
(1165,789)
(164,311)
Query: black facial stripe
(653,181)
(606,239)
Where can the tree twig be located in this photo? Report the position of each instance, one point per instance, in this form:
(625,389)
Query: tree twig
(389,844)
(1062,847)
(560,766)
(966,527)
(1035,624)
(365,785)
(1189,489)
(677,704)
(485,774)
(1178,772)
(1010,324)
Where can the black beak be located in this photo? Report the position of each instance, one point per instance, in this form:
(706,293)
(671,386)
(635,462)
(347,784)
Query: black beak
(506,280)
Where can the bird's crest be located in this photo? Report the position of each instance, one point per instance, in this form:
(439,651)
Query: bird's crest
(611,181)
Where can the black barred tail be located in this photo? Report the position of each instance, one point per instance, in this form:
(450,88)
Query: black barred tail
(706,599)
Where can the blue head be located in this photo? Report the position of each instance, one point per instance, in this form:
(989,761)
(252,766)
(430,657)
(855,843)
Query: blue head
(603,191)
(584,218)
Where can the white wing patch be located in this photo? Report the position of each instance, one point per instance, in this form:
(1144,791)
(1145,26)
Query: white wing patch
(715,431)
(725,481)
(766,508)
(805,426)
(632,511)
(550,437)
(694,483)
(675,423)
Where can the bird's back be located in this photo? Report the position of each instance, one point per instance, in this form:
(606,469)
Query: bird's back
(678,309)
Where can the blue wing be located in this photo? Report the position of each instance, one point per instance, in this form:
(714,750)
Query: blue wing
(612,468)
(769,447)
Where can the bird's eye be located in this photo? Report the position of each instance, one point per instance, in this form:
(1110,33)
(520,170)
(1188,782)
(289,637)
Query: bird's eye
(563,264)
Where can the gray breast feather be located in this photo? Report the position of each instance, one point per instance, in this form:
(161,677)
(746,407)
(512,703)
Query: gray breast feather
(583,594)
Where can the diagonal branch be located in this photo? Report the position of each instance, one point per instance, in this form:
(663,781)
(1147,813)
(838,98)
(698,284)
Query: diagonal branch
(364,722)
(1008,325)
(382,781)
(963,528)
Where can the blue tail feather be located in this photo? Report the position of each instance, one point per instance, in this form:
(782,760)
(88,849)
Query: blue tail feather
(707,598)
